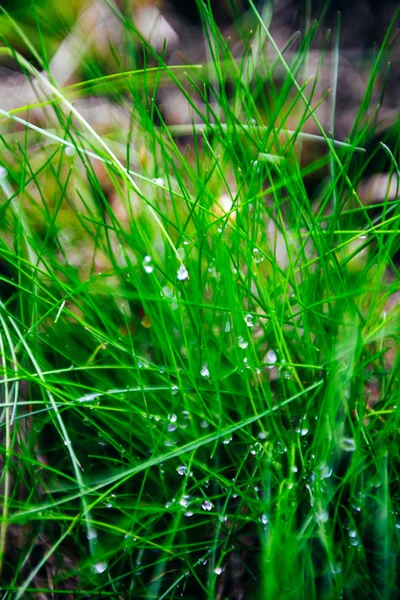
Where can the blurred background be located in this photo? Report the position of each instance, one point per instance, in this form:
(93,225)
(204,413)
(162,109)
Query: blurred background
(83,39)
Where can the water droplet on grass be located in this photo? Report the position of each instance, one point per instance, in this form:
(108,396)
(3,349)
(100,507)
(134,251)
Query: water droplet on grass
(148,264)
(322,516)
(181,470)
(255,448)
(287,372)
(170,442)
(70,151)
(227,327)
(257,256)
(182,273)
(264,519)
(168,293)
(249,320)
(207,505)
(271,357)
(218,570)
(89,397)
(227,440)
(242,342)
(91,534)
(204,372)
(159,181)
(352,533)
(3,173)
(326,471)
(348,444)
(337,568)
(99,567)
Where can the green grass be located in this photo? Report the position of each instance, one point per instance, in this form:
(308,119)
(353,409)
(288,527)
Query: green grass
(199,352)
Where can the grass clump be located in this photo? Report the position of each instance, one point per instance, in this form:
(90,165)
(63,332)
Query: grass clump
(199,352)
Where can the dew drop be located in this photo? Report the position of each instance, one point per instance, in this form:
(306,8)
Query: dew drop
(255,448)
(204,372)
(227,327)
(207,505)
(264,519)
(249,320)
(3,173)
(257,255)
(271,357)
(181,470)
(99,567)
(218,570)
(168,293)
(89,397)
(348,444)
(91,534)
(171,442)
(326,471)
(322,516)
(182,273)
(147,264)
(70,151)
(242,342)
(352,533)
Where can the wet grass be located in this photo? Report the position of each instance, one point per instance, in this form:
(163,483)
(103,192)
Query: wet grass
(199,354)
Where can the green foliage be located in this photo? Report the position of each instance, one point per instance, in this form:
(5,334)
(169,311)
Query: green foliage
(199,365)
